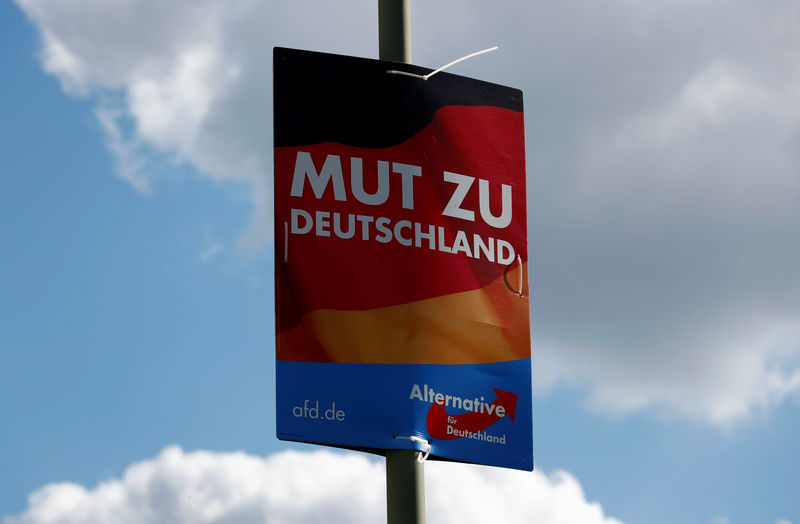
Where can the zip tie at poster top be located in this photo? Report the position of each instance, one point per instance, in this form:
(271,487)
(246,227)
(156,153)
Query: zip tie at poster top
(454,62)
(420,457)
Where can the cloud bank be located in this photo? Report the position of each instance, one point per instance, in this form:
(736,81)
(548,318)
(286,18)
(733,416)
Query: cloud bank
(304,487)
(662,143)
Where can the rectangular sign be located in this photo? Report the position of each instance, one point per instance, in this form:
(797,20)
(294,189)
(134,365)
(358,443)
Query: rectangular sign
(400,260)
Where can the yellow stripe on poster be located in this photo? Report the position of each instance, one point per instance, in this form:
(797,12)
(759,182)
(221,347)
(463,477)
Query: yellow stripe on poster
(473,327)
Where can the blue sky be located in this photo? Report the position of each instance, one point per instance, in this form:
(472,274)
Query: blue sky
(136,310)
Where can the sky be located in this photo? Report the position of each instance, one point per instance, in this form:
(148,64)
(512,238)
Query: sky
(136,279)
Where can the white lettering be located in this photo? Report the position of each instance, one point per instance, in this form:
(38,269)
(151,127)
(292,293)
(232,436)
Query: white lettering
(505,210)
(442,246)
(407,172)
(323,222)
(419,235)
(357,183)
(416,393)
(403,224)
(331,170)
(476,405)
(365,222)
(337,226)
(405,232)
(386,233)
(505,252)
(461,244)
(453,207)
(309,222)
(480,246)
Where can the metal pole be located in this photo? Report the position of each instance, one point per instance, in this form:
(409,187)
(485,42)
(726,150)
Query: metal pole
(405,487)
(405,475)
(394,30)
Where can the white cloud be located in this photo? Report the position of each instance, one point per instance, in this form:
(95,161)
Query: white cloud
(665,257)
(662,144)
(130,162)
(304,487)
(194,78)
(210,252)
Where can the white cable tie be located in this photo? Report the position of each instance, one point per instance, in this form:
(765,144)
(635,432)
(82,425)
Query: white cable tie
(285,241)
(454,62)
(405,73)
(420,457)
(519,279)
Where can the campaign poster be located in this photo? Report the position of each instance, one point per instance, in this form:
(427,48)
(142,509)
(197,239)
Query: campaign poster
(401,260)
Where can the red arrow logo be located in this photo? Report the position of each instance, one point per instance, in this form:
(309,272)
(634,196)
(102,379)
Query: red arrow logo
(444,426)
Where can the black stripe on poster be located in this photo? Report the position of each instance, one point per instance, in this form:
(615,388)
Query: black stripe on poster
(321,97)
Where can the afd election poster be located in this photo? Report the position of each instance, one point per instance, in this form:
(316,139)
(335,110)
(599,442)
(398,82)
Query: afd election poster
(401,260)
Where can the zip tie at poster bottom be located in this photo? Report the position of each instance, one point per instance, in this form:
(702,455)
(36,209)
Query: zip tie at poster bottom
(420,457)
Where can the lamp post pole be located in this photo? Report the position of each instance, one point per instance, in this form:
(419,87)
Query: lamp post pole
(394,30)
(405,475)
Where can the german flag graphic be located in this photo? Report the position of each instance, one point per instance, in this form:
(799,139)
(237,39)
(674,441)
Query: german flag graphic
(400,217)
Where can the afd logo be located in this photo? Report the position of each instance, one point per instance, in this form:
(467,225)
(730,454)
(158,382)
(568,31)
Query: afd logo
(469,416)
